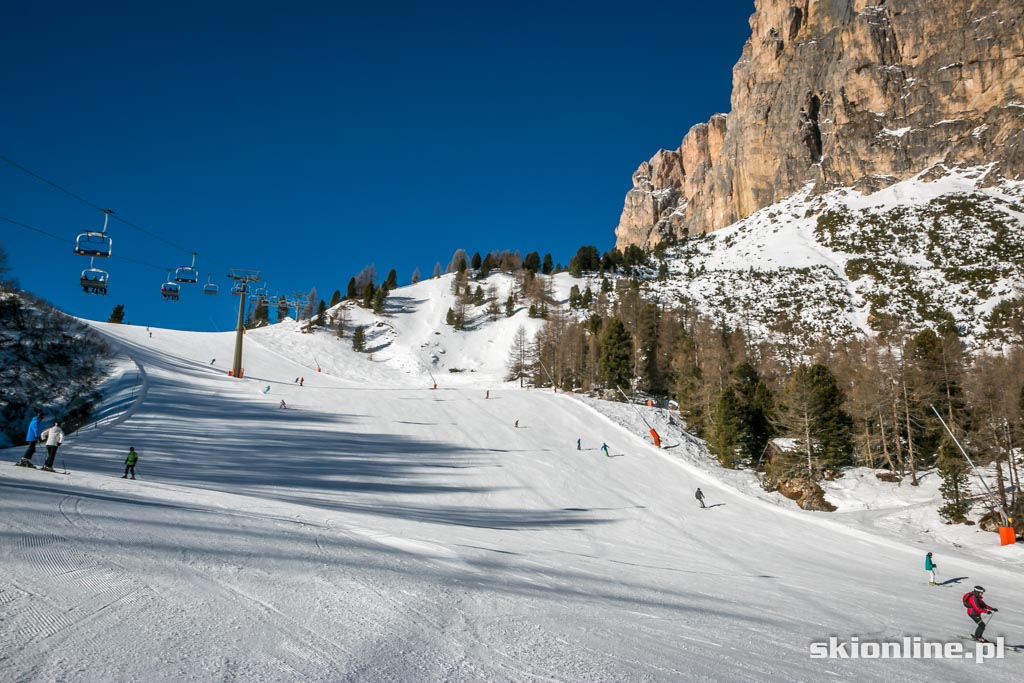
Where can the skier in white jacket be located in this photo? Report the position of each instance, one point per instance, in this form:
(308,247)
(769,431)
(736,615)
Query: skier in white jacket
(54,438)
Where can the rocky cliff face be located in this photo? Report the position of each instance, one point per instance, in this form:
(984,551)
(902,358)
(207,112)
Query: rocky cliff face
(857,93)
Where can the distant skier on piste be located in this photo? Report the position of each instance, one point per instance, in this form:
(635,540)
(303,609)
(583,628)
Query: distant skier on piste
(129,462)
(604,447)
(976,609)
(31,437)
(578,447)
(54,438)
(930,567)
(700,498)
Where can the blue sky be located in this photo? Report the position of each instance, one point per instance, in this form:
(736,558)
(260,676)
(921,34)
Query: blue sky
(310,139)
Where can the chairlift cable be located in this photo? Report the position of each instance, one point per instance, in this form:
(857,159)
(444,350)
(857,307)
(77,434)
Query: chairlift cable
(90,204)
(67,241)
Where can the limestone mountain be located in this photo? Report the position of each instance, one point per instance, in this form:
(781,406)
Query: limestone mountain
(843,93)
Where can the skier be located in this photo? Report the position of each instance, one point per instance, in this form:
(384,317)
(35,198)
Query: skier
(302,380)
(213,361)
(54,438)
(976,607)
(488,394)
(266,389)
(517,424)
(31,436)
(604,447)
(930,567)
(129,462)
(283,406)
(578,445)
(700,498)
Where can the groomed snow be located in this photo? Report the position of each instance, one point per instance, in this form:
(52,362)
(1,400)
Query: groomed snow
(380,530)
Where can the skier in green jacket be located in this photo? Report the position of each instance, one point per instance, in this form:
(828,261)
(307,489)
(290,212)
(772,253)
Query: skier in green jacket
(930,567)
(129,462)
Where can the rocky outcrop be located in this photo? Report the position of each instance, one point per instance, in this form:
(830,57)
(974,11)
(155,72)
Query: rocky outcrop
(842,93)
(807,494)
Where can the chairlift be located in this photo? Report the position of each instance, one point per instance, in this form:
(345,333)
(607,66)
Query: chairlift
(94,280)
(188,274)
(170,290)
(258,295)
(95,244)
(238,289)
(209,287)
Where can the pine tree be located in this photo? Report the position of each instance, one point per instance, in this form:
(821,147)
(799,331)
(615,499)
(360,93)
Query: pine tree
(368,291)
(117,315)
(485,267)
(379,298)
(391,281)
(547,266)
(437,269)
(352,291)
(955,487)
(510,306)
(532,262)
(416,275)
(335,298)
(475,263)
(729,430)
(813,414)
(450,317)
(321,313)
(615,365)
(359,338)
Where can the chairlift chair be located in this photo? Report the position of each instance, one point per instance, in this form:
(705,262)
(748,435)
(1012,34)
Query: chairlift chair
(95,244)
(94,280)
(238,289)
(170,290)
(187,274)
(209,287)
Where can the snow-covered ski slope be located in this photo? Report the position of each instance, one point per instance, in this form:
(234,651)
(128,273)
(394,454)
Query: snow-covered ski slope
(380,530)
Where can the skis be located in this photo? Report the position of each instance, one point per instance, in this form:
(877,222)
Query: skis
(25,463)
(41,468)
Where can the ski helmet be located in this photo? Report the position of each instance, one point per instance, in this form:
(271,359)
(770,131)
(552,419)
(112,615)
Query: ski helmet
(979,589)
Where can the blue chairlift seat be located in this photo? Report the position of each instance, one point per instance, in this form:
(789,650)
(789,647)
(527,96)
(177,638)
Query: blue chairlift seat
(170,291)
(186,274)
(95,244)
(94,281)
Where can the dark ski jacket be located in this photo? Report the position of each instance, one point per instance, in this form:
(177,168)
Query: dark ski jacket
(699,495)
(132,458)
(33,431)
(976,603)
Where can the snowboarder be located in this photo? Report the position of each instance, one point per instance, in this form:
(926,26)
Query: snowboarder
(700,498)
(283,406)
(604,447)
(54,438)
(31,437)
(930,567)
(578,447)
(129,462)
(976,608)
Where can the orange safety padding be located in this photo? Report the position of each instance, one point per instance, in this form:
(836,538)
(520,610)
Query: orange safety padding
(231,373)
(657,439)
(1007,536)
(650,403)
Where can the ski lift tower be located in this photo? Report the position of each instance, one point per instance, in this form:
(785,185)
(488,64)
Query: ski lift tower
(242,277)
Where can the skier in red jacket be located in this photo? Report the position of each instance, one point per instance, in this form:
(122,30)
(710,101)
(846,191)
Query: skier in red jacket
(976,607)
